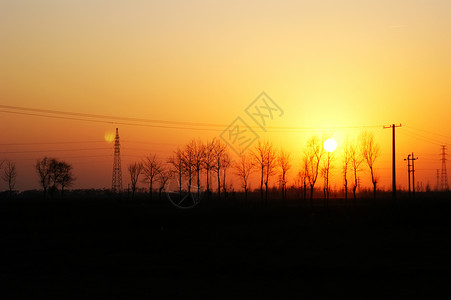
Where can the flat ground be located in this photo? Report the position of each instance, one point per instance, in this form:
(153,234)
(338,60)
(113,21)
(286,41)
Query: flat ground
(129,250)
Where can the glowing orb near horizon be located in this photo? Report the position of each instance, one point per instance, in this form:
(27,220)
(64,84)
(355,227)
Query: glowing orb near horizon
(109,136)
(330,145)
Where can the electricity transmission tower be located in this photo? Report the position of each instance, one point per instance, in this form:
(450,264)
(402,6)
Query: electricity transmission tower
(117,171)
(444,175)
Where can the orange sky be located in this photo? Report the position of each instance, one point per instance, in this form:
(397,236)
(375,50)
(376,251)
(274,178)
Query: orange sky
(327,64)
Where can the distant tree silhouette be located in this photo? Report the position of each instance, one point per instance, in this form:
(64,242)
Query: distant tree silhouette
(356,159)
(198,149)
(313,156)
(55,173)
(226,163)
(66,177)
(284,162)
(219,150)
(258,155)
(304,172)
(243,169)
(42,167)
(163,177)
(325,172)
(370,152)
(270,166)
(151,167)
(134,169)
(9,175)
(188,160)
(346,159)
(177,162)
(208,163)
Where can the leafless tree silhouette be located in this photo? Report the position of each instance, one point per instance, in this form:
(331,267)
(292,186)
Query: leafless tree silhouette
(346,159)
(65,175)
(326,171)
(134,170)
(208,162)
(163,177)
(284,161)
(258,155)
(188,160)
(313,156)
(219,150)
(356,159)
(198,149)
(9,175)
(42,167)
(370,152)
(176,160)
(151,167)
(243,169)
(55,173)
(270,166)
(226,163)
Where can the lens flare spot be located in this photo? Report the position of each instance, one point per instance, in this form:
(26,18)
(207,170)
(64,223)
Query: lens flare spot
(109,136)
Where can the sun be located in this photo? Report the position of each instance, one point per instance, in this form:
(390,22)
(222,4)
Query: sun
(109,136)
(330,145)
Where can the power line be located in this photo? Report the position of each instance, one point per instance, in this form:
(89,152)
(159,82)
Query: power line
(431,132)
(76,116)
(54,150)
(426,138)
(50,143)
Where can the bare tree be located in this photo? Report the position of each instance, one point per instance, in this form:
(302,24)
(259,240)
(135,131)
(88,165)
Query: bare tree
(243,169)
(356,159)
(284,161)
(370,152)
(55,175)
(42,167)
(208,162)
(258,155)
(134,170)
(188,160)
(176,160)
(219,150)
(313,156)
(66,177)
(226,163)
(325,171)
(198,149)
(163,177)
(9,175)
(346,159)
(270,166)
(151,167)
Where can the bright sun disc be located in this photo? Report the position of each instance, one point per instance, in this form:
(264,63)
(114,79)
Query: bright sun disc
(330,145)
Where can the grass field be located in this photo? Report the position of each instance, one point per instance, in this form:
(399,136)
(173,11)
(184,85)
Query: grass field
(110,249)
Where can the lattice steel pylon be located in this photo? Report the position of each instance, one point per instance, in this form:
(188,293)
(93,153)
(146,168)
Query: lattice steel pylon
(117,171)
(444,175)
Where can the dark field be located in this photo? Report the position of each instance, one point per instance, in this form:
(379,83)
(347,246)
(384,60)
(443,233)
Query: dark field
(102,249)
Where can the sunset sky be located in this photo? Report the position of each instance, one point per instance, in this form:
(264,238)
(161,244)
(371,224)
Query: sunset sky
(333,67)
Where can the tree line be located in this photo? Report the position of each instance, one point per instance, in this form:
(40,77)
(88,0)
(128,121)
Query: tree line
(198,162)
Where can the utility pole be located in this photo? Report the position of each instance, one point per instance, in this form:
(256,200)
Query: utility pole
(411,169)
(393,126)
(408,171)
(413,159)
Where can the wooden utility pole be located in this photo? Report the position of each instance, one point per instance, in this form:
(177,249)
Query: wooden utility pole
(393,126)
